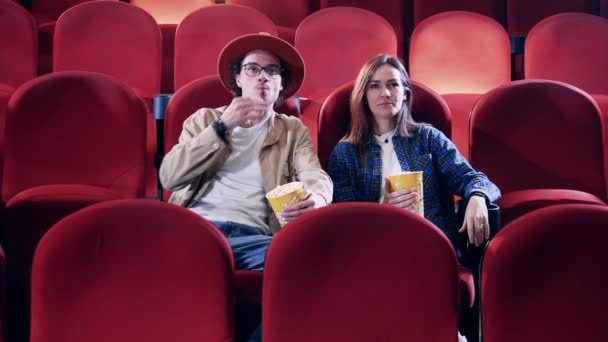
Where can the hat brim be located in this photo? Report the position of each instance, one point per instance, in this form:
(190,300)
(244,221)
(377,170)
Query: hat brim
(238,47)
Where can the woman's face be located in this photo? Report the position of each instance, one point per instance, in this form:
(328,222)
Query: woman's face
(385,92)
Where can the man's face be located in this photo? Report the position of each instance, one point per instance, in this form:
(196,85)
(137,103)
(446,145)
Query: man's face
(266,85)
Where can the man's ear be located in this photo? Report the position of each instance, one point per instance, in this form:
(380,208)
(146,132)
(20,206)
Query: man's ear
(237,78)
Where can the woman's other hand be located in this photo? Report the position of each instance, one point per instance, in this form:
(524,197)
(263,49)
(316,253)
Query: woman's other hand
(476,220)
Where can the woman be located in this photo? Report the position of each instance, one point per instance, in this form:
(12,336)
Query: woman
(384,140)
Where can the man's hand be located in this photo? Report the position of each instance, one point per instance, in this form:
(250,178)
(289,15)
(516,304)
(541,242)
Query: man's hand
(244,112)
(308,202)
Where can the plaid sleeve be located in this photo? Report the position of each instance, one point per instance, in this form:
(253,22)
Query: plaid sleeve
(341,170)
(461,179)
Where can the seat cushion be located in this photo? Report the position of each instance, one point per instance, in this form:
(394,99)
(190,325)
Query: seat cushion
(517,203)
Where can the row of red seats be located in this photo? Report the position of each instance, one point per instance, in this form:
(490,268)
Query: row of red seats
(141,270)
(517,16)
(102,125)
(460,69)
(473,42)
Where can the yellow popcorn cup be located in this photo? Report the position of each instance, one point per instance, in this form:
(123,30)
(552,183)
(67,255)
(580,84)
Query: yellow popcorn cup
(410,179)
(284,196)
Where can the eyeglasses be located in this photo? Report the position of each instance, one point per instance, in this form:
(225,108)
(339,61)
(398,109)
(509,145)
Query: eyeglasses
(253,70)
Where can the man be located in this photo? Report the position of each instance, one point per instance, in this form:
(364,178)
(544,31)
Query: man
(228,158)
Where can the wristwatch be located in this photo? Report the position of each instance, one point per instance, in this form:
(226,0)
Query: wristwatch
(220,129)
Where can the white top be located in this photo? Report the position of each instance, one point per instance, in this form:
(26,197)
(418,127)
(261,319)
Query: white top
(390,163)
(236,193)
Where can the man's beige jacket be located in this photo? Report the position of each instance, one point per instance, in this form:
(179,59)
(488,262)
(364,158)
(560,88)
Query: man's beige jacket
(287,155)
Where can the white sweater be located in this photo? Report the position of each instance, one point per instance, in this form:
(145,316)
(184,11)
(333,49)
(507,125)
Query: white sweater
(390,163)
(236,193)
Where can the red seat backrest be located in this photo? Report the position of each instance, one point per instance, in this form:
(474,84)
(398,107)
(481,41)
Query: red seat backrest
(170,12)
(538,134)
(423,9)
(330,271)
(26,218)
(522,15)
(18,44)
(284,13)
(202,35)
(113,38)
(75,127)
(460,52)
(132,270)
(396,12)
(544,277)
(47,11)
(570,48)
(336,42)
(334,117)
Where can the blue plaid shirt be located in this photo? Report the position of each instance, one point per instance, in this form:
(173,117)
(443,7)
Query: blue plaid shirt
(446,172)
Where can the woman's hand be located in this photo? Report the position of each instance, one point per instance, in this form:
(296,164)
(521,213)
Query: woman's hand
(403,198)
(308,202)
(476,220)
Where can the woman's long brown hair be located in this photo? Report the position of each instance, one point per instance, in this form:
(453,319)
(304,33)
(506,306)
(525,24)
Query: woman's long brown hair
(361,117)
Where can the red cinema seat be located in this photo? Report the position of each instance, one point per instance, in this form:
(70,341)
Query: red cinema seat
(423,9)
(202,35)
(118,40)
(570,48)
(18,44)
(544,277)
(523,15)
(75,127)
(170,12)
(168,15)
(396,12)
(285,14)
(460,55)
(132,270)
(18,55)
(335,44)
(46,13)
(541,142)
(112,38)
(334,118)
(460,52)
(28,215)
(330,276)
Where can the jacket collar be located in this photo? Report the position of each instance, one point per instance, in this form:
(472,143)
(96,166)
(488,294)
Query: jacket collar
(372,141)
(276,127)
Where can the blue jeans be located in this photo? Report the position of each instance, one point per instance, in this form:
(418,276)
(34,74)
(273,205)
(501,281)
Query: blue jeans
(249,244)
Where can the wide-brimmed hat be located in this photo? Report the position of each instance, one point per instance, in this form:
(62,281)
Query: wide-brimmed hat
(238,47)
